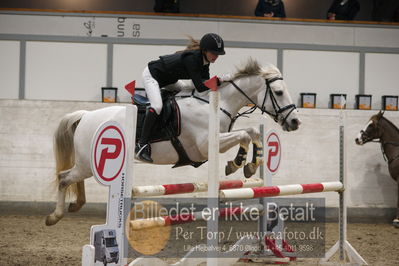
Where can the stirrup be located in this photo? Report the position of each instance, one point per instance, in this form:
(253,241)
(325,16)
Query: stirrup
(144,152)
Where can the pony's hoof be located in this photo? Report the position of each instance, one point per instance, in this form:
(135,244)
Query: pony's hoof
(74,207)
(230,168)
(249,170)
(395,223)
(52,219)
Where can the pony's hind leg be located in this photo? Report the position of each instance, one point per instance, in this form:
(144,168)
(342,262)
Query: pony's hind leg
(80,199)
(66,178)
(58,213)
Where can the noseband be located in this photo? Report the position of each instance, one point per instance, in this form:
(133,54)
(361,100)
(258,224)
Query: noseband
(366,138)
(277,109)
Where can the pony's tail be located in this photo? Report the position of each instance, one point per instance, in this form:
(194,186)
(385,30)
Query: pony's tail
(63,142)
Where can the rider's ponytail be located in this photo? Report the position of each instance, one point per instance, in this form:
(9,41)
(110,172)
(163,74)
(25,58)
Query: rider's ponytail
(192,45)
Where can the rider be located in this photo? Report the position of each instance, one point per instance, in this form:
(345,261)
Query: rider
(192,63)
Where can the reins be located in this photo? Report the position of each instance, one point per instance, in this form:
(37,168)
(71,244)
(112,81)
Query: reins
(227,113)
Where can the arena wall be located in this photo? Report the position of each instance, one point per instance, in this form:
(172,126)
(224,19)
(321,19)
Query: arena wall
(42,51)
(310,155)
(314,9)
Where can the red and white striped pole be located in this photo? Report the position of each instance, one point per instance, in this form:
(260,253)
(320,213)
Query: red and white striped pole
(170,189)
(259,192)
(170,220)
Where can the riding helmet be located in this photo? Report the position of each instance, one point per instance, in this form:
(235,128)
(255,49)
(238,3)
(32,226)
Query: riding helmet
(213,43)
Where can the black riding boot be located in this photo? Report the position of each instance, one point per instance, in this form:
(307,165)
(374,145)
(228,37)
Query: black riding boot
(143,148)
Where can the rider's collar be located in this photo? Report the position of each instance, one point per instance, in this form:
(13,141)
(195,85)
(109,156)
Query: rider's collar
(204,60)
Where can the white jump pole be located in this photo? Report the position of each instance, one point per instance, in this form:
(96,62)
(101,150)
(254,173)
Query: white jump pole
(213,175)
(343,244)
(266,179)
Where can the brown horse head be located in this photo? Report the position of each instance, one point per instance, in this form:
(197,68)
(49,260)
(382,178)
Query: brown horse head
(372,130)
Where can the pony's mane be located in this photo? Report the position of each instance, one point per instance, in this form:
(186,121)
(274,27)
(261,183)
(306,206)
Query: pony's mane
(374,118)
(390,123)
(377,117)
(252,67)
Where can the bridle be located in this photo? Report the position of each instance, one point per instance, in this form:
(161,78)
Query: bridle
(276,107)
(367,138)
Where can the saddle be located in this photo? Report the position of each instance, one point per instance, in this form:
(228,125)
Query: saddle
(167,126)
(168,122)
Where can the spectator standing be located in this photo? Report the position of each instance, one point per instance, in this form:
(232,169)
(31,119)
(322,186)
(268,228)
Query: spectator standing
(343,10)
(270,8)
(167,6)
(385,10)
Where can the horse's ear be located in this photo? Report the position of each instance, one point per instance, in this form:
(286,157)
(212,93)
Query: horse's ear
(380,114)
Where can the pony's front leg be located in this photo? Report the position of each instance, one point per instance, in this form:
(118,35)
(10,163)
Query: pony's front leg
(231,139)
(395,222)
(257,152)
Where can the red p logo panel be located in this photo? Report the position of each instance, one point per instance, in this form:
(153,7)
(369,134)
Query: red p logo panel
(273,146)
(273,151)
(109,153)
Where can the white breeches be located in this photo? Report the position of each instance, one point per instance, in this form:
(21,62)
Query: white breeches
(152,90)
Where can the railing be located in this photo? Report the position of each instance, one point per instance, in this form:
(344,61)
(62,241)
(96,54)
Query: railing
(214,16)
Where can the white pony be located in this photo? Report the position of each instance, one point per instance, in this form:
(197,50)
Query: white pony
(262,87)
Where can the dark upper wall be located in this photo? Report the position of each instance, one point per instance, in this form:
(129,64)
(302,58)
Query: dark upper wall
(310,9)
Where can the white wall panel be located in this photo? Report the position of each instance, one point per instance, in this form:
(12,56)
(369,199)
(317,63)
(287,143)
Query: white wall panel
(377,37)
(178,28)
(9,69)
(322,73)
(41,24)
(68,71)
(130,61)
(286,33)
(127,27)
(381,76)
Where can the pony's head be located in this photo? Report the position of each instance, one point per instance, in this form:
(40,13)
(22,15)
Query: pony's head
(271,95)
(372,130)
